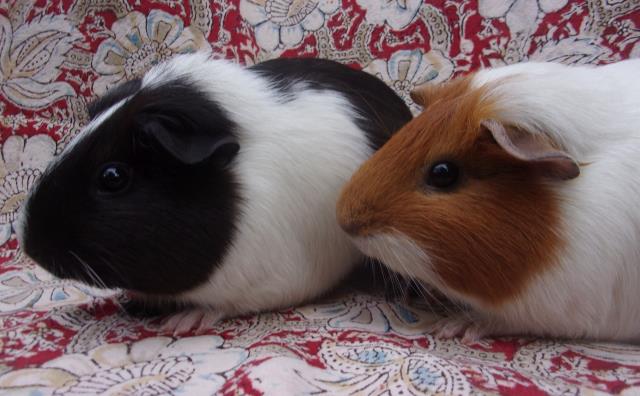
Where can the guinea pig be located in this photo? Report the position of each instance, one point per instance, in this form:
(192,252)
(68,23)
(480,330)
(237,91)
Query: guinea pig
(210,184)
(515,194)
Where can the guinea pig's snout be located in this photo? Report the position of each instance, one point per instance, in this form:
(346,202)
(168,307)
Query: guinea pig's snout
(352,226)
(38,236)
(355,218)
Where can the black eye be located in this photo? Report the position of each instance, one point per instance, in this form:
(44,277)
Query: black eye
(443,174)
(114,177)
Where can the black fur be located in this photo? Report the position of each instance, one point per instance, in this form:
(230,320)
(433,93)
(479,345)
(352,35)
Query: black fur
(382,111)
(166,232)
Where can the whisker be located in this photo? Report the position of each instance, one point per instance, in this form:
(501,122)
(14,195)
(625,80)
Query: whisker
(93,275)
(390,251)
(112,268)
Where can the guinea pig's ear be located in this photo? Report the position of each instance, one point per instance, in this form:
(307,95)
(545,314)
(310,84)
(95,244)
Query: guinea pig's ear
(188,145)
(525,146)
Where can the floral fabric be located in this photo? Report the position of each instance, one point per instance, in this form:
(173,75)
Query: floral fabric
(59,337)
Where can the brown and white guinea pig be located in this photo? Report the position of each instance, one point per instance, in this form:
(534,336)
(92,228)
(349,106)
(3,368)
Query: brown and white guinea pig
(212,184)
(517,193)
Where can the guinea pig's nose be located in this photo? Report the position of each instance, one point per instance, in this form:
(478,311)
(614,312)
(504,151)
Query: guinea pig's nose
(354,216)
(351,227)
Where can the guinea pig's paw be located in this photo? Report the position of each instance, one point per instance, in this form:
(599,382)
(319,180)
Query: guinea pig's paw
(476,331)
(183,322)
(450,326)
(465,325)
(142,309)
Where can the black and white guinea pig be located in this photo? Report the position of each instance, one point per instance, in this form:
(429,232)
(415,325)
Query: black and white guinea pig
(212,184)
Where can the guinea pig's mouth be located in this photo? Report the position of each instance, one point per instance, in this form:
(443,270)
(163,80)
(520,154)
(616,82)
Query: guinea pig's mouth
(399,253)
(72,266)
(90,275)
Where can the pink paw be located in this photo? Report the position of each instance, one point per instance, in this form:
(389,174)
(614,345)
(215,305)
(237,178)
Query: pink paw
(464,325)
(183,322)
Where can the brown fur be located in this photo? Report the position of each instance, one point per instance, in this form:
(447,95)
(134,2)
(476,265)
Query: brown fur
(489,235)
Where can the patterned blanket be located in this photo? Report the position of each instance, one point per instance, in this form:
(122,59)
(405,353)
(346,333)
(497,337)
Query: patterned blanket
(58,337)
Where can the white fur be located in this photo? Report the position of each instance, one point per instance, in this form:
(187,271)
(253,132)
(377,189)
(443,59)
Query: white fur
(293,160)
(594,113)
(400,253)
(405,256)
(593,290)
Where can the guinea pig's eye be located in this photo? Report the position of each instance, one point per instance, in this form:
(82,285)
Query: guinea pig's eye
(114,177)
(443,174)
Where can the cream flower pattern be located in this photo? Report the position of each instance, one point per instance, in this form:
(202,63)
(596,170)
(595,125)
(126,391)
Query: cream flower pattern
(396,13)
(152,366)
(23,160)
(521,16)
(37,290)
(30,60)
(570,50)
(356,366)
(140,42)
(282,23)
(408,69)
(365,368)
(363,312)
